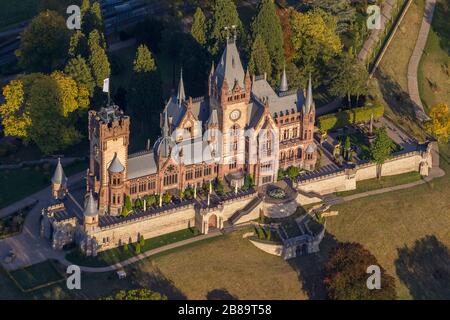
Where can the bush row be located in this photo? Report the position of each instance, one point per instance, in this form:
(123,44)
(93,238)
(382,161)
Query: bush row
(351,116)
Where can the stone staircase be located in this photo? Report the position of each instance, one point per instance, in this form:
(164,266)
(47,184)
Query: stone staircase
(246,210)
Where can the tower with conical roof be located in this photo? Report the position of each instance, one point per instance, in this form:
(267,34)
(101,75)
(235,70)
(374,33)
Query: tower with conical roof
(284,83)
(116,190)
(59,182)
(90,213)
(109,134)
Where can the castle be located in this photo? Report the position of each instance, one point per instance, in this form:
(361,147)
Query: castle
(242,127)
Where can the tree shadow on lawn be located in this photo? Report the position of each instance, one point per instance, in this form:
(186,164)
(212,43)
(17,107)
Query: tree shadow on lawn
(220,294)
(425,268)
(441,24)
(156,281)
(310,269)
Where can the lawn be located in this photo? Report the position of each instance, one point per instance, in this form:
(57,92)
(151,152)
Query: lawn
(13,12)
(113,256)
(434,68)
(18,183)
(384,182)
(389,226)
(229,265)
(396,59)
(36,276)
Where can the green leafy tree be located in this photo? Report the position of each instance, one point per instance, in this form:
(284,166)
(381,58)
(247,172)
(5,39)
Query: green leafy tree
(142,241)
(138,204)
(439,123)
(293,172)
(15,120)
(346,276)
(351,80)
(314,41)
(381,149)
(79,70)
(137,294)
(219,187)
(98,60)
(150,200)
(199,27)
(267,25)
(343,10)
(51,129)
(259,58)
(224,16)
(137,249)
(125,212)
(167,198)
(128,203)
(126,248)
(44,43)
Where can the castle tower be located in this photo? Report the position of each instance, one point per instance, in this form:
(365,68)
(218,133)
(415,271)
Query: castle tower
(90,214)
(109,132)
(230,95)
(284,84)
(116,186)
(59,182)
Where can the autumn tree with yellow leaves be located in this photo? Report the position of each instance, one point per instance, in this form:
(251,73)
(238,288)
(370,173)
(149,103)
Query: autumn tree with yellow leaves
(439,124)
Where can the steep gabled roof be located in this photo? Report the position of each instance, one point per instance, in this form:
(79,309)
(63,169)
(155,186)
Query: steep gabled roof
(230,67)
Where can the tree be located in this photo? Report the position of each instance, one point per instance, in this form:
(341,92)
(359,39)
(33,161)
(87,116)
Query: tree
(126,249)
(142,241)
(381,148)
(315,42)
(267,25)
(224,16)
(351,80)
(219,187)
(124,212)
(341,9)
(128,203)
(144,61)
(150,200)
(137,248)
(145,92)
(92,19)
(292,172)
(346,275)
(167,198)
(44,109)
(199,28)
(78,45)
(259,63)
(15,120)
(44,42)
(79,70)
(439,125)
(137,294)
(98,60)
(49,105)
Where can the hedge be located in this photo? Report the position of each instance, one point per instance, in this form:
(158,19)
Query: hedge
(352,116)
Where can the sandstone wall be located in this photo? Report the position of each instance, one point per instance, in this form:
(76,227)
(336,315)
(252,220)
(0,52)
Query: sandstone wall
(149,228)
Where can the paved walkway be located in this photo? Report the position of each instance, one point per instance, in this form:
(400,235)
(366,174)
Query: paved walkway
(413,86)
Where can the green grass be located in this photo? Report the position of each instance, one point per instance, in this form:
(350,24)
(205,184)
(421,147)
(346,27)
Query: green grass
(384,182)
(434,68)
(115,255)
(36,276)
(13,12)
(389,223)
(16,184)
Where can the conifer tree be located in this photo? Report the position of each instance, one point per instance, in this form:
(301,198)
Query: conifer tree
(259,58)
(198,29)
(225,15)
(267,25)
(98,60)
(92,19)
(79,70)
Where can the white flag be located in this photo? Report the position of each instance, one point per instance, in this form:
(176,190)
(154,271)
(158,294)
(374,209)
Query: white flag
(106,85)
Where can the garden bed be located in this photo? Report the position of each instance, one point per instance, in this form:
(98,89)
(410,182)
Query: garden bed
(36,276)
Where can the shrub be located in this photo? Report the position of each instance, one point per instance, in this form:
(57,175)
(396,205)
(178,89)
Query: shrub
(138,204)
(126,248)
(150,200)
(219,187)
(167,198)
(125,212)
(137,248)
(142,241)
(292,172)
(352,116)
(128,203)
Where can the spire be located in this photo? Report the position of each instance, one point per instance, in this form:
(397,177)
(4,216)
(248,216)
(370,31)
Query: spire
(90,206)
(181,96)
(284,84)
(230,67)
(309,102)
(116,166)
(165,126)
(59,177)
(164,144)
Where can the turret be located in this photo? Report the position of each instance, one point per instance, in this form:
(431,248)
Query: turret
(59,182)
(116,186)
(284,84)
(90,213)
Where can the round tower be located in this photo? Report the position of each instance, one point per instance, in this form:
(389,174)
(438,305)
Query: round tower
(90,214)
(59,182)
(116,186)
